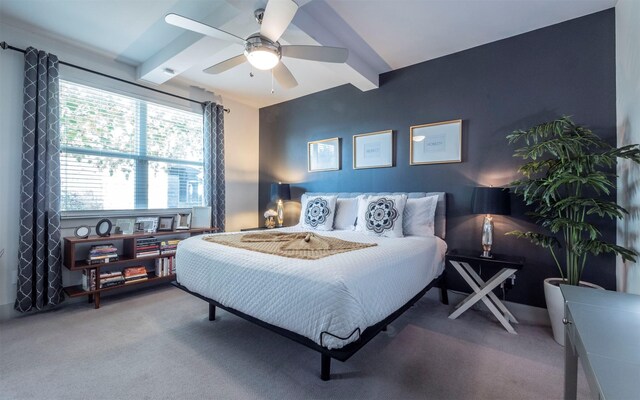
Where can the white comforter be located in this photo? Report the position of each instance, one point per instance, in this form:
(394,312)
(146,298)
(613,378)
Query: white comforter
(335,294)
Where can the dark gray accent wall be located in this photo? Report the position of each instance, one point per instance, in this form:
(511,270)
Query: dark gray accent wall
(568,68)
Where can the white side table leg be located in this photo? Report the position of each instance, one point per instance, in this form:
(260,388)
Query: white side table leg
(483,293)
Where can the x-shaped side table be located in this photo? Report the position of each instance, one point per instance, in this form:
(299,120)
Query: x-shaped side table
(483,291)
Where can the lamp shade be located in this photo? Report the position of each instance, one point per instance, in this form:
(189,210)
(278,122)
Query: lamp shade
(280,191)
(491,200)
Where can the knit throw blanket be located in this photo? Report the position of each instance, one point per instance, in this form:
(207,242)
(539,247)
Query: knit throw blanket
(302,245)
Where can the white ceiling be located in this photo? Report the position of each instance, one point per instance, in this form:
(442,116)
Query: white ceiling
(381,35)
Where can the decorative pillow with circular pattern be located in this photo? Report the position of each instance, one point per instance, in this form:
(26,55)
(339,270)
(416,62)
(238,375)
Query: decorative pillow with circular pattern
(381,215)
(319,212)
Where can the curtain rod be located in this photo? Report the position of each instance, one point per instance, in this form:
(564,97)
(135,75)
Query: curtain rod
(6,46)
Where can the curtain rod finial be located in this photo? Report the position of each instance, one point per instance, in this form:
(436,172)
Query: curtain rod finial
(3,45)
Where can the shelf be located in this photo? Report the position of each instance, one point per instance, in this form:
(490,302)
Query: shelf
(94,238)
(80,265)
(77,291)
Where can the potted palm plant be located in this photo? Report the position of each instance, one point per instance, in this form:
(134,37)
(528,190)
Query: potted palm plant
(566,177)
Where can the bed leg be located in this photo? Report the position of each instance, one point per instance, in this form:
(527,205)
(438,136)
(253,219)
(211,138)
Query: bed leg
(384,328)
(325,367)
(444,296)
(212,312)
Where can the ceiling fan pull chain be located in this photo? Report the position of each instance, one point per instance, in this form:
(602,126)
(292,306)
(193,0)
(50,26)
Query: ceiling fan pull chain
(272,90)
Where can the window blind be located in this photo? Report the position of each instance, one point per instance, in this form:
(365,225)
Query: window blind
(123,153)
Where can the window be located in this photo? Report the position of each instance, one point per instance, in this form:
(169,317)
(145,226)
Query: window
(122,153)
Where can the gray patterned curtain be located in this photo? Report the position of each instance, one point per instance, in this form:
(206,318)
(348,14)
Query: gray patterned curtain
(39,266)
(214,184)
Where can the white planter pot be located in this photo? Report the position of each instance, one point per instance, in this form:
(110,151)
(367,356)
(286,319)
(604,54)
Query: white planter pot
(555,305)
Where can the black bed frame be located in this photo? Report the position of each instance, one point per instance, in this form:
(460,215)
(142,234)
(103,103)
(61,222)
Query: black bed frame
(341,354)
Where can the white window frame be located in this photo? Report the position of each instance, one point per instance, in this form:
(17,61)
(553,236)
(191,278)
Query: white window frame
(141,159)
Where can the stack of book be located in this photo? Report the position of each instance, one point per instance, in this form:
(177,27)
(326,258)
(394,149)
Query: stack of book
(169,246)
(165,266)
(109,279)
(89,279)
(135,274)
(146,247)
(102,253)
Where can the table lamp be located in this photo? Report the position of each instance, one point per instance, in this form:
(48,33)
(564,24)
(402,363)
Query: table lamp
(489,201)
(280,192)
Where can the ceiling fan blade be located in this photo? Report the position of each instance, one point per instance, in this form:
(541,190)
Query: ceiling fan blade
(199,27)
(277,17)
(226,64)
(284,76)
(316,53)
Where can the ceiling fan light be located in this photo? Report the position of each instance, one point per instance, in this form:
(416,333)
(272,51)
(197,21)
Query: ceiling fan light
(263,58)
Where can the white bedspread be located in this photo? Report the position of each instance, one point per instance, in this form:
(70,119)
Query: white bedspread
(335,294)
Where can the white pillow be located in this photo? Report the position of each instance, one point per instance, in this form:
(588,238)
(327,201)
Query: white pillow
(381,215)
(318,213)
(346,214)
(419,216)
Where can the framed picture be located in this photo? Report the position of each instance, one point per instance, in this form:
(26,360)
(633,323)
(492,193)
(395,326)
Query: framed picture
(125,226)
(324,155)
(165,223)
(436,143)
(146,224)
(373,150)
(183,221)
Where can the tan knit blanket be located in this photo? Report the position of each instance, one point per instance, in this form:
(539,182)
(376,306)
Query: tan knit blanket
(302,245)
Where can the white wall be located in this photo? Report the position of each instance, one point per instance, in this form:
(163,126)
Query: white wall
(241,147)
(628,120)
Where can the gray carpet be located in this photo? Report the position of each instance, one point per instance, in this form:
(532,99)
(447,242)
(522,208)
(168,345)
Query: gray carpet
(158,344)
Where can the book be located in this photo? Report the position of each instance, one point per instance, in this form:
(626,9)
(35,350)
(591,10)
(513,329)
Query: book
(89,279)
(104,275)
(135,277)
(136,270)
(148,253)
(135,280)
(102,260)
(111,284)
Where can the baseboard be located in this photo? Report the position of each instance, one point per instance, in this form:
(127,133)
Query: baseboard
(524,313)
(7,312)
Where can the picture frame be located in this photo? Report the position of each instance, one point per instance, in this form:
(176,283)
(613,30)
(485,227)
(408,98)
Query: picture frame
(103,227)
(373,150)
(82,232)
(183,221)
(165,224)
(323,155)
(125,226)
(146,224)
(436,143)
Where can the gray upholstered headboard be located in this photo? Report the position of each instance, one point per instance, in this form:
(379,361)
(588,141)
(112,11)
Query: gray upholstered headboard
(441,209)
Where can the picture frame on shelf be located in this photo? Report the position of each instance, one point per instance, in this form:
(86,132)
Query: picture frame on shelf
(103,227)
(146,224)
(183,221)
(201,217)
(165,224)
(436,143)
(323,155)
(373,150)
(82,232)
(125,226)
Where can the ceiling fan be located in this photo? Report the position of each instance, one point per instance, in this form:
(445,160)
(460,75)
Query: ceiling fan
(262,49)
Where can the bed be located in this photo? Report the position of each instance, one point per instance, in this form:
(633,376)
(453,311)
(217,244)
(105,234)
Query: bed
(333,305)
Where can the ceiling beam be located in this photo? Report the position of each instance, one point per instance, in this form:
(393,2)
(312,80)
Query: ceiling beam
(179,54)
(363,67)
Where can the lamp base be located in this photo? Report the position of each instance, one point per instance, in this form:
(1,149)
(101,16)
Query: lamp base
(280,211)
(486,254)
